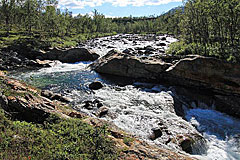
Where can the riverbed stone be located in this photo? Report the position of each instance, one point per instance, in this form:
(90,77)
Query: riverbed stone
(54,96)
(162,44)
(102,111)
(156,133)
(95,85)
(164,38)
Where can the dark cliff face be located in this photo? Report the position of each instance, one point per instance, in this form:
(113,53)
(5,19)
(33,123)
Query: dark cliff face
(220,78)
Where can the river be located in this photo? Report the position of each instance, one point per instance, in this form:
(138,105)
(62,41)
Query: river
(138,108)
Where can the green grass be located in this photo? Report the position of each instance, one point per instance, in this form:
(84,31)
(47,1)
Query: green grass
(128,140)
(54,139)
(37,40)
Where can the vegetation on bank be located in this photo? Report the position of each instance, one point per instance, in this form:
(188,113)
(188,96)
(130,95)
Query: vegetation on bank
(209,28)
(36,41)
(44,16)
(54,139)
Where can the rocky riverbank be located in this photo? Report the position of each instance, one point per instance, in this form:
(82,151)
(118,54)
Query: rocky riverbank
(19,59)
(23,57)
(26,103)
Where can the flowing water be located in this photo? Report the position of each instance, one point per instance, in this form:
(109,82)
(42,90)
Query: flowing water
(221,131)
(129,41)
(140,107)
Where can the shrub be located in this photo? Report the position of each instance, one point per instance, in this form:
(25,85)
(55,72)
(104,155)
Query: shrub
(228,53)
(180,48)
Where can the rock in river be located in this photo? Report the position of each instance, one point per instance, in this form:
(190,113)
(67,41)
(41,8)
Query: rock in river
(71,55)
(95,85)
(156,133)
(121,64)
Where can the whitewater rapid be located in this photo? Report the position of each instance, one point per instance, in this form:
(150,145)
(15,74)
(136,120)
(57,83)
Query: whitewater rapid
(138,108)
(126,41)
(220,130)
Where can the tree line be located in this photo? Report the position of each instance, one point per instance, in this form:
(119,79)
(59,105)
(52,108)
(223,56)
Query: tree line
(44,16)
(210,28)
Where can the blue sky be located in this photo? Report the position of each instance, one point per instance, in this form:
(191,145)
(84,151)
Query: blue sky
(120,8)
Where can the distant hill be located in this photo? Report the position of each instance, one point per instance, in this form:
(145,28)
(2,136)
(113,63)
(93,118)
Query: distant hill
(173,10)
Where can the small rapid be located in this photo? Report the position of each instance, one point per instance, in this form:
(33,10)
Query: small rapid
(137,108)
(221,131)
(129,41)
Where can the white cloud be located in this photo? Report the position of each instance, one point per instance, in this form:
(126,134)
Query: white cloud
(90,14)
(79,4)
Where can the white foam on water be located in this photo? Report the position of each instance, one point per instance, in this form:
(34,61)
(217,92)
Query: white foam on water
(64,67)
(221,131)
(57,68)
(138,112)
(126,41)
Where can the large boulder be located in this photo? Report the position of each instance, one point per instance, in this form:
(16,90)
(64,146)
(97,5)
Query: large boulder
(79,54)
(71,55)
(195,71)
(10,60)
(219,80)
(121,64)
(228,104)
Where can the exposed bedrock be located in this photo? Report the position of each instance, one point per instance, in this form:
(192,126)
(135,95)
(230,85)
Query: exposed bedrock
(215,80)
(24,102)
(70,55)
(10,60)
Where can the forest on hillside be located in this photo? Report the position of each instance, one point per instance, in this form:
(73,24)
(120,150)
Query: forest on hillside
(206,27)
